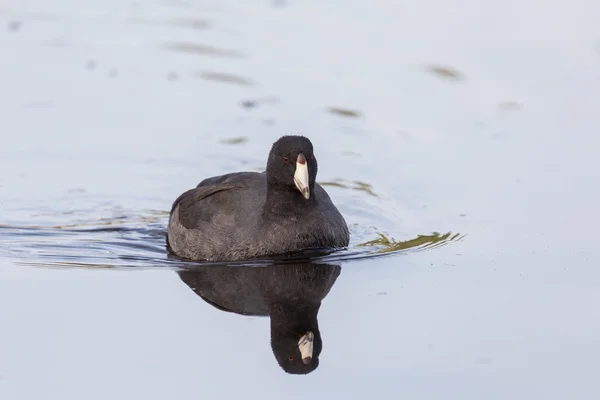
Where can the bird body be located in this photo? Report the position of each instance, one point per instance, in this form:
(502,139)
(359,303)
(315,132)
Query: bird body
(246,215)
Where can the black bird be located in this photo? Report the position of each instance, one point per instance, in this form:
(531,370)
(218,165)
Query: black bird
(290,294)
(246,215)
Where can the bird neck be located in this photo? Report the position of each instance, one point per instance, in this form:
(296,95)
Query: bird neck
(287,200)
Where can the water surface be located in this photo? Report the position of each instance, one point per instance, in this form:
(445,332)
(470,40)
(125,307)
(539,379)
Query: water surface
(458,140)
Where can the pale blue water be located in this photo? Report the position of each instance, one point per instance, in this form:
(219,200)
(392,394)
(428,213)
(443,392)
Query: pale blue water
(468,118)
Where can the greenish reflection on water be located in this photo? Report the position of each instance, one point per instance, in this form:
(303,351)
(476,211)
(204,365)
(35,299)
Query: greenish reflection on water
(421,242)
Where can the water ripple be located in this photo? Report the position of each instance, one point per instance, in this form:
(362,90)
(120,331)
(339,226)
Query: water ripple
(139,241)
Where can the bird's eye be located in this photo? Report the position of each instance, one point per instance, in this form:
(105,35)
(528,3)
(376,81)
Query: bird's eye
(291,358)
(285,160)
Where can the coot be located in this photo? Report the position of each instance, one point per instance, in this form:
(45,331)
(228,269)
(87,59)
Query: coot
(246,215)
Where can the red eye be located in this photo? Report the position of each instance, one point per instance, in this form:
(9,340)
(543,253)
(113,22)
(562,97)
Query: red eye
(285,160)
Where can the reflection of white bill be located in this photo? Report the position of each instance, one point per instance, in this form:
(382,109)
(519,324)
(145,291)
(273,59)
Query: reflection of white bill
(305,344)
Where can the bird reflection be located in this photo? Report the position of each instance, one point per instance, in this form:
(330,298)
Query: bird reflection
(290,294)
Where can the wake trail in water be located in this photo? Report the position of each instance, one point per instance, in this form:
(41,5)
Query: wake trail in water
(125,246)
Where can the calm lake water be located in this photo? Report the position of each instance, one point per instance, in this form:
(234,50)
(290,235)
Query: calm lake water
(459,139)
